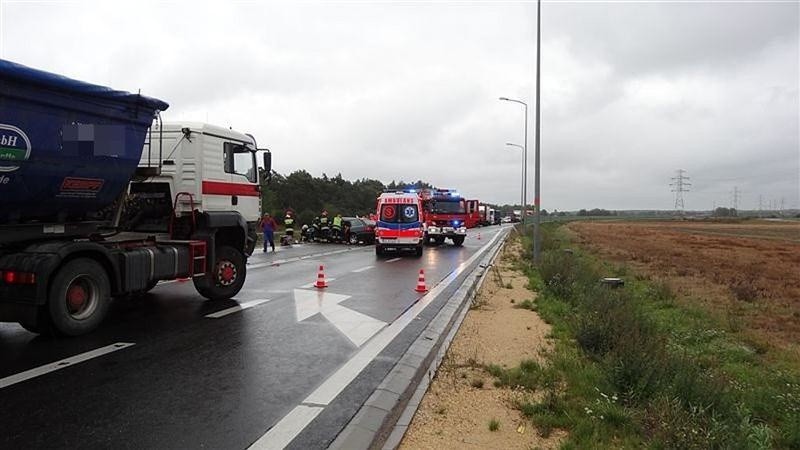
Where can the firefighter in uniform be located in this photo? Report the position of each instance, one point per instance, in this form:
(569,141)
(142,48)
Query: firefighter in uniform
(288,222)
(324,226)
(337,227)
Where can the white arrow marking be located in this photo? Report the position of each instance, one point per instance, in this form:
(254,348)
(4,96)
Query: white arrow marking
(356,326)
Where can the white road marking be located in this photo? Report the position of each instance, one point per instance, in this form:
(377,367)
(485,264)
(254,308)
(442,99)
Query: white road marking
(61,364)
(237,308)
(290,426)
(311,285)
(356,326)
(276,262)
(298,419)
(393,260)
(363,269)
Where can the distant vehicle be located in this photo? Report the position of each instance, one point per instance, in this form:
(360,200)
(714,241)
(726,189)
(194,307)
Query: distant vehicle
(488,215)
(361,230)
(473,217)
(399,225)
(506,219)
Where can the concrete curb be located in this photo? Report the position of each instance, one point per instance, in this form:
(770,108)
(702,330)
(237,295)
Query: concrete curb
(384,418)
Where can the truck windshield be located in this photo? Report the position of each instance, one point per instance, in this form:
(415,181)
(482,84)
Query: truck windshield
(447,206)
(398,213)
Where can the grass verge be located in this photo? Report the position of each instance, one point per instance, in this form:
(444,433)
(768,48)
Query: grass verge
(631,368)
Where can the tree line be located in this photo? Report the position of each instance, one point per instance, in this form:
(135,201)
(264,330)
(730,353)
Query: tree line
(308,196)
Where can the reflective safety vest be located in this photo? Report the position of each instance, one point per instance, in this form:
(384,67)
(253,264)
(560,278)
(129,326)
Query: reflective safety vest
(289,222)
(337,223)
(323,221)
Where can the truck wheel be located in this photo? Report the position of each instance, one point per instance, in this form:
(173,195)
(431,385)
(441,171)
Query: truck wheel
(438,240)
(458,241)
(378,250)
(418,251)
(80,295)
(226,277)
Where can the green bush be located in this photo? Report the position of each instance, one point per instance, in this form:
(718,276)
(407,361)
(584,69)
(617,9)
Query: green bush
(564,275)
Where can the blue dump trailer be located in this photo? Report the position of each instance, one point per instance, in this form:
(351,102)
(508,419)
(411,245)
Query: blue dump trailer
(68,153)
(67,148)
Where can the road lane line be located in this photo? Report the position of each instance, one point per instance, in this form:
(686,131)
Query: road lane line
(335,384)
(62,364)
(237,308)
(363,269)
(290,426)
(393,260)
(258,265)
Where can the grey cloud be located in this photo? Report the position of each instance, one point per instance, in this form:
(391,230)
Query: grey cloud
(631,91)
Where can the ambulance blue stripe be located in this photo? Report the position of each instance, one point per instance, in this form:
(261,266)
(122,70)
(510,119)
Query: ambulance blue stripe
(399,226)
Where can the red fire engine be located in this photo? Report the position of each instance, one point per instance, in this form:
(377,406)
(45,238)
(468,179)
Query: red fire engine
(445,216)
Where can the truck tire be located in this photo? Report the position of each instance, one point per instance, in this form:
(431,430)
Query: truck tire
(379,250)
(226,277)
(418,251)
(458,241)
(439,240)
(79,297)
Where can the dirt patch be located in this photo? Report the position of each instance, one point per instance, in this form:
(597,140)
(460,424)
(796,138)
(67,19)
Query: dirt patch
(745,272)
(462,400)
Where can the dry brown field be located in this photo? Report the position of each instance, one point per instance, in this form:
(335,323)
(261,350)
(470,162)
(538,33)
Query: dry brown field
(747,274)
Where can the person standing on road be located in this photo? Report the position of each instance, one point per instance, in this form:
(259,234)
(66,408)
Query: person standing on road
(325,226)
(268,226)
(337,226)
(288,223)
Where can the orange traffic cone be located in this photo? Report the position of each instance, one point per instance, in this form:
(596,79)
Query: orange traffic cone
(320,279)
(421,282)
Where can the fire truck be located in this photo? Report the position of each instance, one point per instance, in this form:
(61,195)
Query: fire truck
(445,216)
(473,218)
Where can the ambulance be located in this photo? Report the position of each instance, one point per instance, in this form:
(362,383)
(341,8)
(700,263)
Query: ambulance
(399,224)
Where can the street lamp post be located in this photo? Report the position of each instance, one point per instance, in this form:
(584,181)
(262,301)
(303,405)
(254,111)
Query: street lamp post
(522,178)
(537,239)
(524,159)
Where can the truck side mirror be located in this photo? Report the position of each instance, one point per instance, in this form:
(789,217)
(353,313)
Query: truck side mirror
(267,163)
(267,160)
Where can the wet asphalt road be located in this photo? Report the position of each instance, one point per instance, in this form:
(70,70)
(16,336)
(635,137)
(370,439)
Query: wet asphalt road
(192,381)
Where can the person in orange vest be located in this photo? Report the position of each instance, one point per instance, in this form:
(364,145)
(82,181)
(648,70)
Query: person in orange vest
(268,226)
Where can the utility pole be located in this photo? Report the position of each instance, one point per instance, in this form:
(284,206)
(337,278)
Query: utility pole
(537,207)
(680,185)
(760,197)
(736,194)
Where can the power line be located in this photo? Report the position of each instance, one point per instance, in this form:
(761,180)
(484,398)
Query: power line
(680,185)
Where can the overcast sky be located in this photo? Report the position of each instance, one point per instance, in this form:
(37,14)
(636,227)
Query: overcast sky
(409,90)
